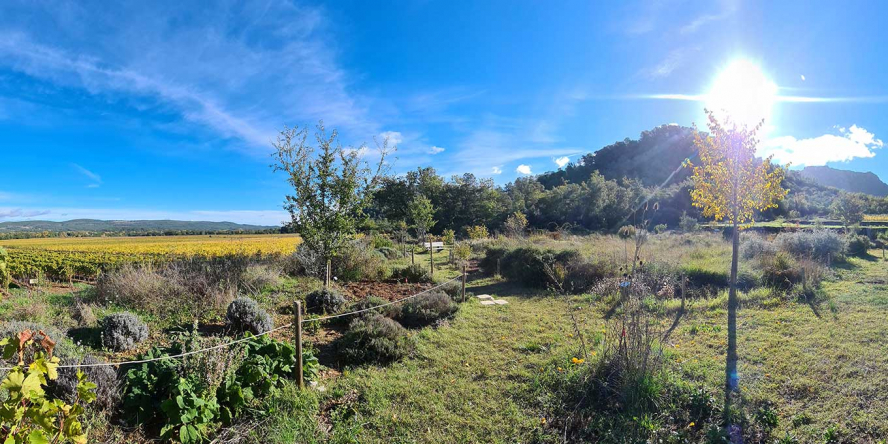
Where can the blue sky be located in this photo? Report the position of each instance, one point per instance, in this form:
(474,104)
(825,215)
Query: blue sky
(168,109)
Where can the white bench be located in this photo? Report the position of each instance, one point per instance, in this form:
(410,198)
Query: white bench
(438,246)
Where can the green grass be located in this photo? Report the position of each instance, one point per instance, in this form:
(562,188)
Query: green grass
(477,379)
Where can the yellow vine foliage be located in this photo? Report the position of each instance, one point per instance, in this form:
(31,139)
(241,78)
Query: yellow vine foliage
(730,183)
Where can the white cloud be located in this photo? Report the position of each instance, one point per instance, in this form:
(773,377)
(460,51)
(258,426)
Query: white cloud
(496,170)
(394,137)
(436,150)
(728,8)
(851,143)
(240,85)
(524,169)
(561,161)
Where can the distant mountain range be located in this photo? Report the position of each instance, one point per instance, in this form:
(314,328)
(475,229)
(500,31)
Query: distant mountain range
(852,181)
(128,226)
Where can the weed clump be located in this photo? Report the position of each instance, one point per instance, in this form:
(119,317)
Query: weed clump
(415,274)
(324,300)
(123,331)
(245,315)
(858,245)
(427,309)
(374,339)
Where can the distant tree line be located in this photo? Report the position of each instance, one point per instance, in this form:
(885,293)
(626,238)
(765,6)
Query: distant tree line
(599,191)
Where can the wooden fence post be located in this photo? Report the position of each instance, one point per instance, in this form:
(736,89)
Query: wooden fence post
(464,283)
(297,325)
(413,256)
(684,290)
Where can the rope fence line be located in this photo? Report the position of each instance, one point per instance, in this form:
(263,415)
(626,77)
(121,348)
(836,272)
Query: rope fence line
(238,341)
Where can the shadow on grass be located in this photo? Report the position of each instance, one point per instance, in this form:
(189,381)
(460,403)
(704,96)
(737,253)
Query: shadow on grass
(88,336)
(504,288)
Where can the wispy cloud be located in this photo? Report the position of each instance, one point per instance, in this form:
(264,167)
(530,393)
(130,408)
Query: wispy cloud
(851,143)
(673,60)
(96,179)
(727,9)
(257,217)
(277,69)
(524,169)
(561,161)
(18,213)
(436,150)
(496,170)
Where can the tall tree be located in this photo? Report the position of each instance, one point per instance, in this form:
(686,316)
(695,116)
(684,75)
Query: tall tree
(849,209)
(332,186)
(422,215)
(731,184)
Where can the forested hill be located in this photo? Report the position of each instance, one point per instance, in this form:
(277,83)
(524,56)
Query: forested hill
(650,159)
(601,190)
(127,226)
(853,181)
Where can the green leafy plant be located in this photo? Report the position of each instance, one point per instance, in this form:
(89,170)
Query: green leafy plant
(190,412)
(27,415)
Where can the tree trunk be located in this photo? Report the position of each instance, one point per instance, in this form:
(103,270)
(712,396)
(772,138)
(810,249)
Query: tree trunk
(431,257)
(732,378)
(328,273)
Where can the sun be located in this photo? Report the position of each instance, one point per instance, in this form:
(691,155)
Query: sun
(742,93)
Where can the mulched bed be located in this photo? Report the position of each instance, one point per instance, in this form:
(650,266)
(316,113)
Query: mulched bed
(387,290)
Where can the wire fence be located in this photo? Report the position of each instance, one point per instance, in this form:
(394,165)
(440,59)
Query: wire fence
(250,338)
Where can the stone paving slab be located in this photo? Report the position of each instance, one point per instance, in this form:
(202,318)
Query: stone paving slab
(485,297)
(501,302)
(488,303)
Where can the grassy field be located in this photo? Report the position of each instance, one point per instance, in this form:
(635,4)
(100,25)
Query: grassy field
(489,374)
(481,377)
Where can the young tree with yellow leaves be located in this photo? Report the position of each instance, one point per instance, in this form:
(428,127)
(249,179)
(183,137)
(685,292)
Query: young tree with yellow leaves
(731,184)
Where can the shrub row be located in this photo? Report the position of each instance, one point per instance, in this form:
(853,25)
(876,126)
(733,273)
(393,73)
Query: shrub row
(539,268)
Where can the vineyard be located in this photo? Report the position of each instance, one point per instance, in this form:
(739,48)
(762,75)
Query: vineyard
(67,258)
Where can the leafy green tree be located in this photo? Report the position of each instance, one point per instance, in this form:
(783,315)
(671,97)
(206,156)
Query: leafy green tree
(516,224)
(422,215)
(849,209)
(731,183)
(332,186)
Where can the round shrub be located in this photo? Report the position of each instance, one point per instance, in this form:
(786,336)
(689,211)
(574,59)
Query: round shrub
(753,246)
(324,300)
(426,309)
(820,245)
(358,261)
(108,386)
(64,347)
(392,311)
(123,331)
(858,245)
(245,314)
(415,273)
(374,339)
(389,252)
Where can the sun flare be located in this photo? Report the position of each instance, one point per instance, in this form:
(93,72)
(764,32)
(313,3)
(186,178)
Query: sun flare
(742,93)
